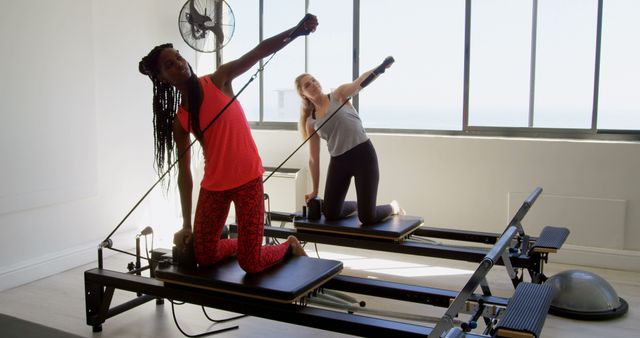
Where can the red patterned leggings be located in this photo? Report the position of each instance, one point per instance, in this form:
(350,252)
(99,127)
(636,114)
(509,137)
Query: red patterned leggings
(211,215)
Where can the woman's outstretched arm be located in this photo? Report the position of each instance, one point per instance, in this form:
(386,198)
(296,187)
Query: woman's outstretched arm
(225,74)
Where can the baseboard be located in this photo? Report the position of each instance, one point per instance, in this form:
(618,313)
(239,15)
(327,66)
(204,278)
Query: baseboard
(626,260)
(45,266)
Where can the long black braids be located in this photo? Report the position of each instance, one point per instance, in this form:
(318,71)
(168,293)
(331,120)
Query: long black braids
(195,101)
(166,99)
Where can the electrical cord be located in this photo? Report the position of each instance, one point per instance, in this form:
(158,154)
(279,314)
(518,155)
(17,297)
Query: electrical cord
(175,320)
(221,320)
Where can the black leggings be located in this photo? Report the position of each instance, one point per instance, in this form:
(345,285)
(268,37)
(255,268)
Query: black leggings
(361,163)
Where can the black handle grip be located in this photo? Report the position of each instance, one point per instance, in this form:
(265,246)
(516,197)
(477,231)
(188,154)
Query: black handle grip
(386,63)
(295,32)
(377,71)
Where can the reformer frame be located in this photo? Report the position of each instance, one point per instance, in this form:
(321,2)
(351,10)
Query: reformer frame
(525,252)
(101,283)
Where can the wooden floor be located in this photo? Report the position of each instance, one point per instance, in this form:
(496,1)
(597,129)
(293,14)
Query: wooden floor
(58,301)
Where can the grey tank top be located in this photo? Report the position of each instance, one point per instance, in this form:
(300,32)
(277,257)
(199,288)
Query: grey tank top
(343,131)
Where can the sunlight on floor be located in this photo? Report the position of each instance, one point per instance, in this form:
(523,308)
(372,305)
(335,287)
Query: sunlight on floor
(390,267)
(362,263)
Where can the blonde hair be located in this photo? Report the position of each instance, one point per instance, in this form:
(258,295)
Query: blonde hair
(306,107)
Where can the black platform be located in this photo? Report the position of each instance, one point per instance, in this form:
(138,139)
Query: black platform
(393,228)
(551,239)
(285,282)
(526,311)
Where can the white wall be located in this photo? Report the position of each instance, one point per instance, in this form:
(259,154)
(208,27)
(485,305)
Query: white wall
(76,137)
(475,183)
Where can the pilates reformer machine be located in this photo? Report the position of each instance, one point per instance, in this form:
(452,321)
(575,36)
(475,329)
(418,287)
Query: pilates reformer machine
(286,293)
(408,235)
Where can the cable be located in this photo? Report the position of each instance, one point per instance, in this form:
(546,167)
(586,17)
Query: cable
(175,320)
(221,320)
(377,71)
(305,141)
(134,255)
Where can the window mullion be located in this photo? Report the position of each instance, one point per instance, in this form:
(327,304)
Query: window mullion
(596,75)
(467,56)
(356,48)
(532,74)
(261,63)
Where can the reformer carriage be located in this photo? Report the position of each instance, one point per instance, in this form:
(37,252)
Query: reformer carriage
(409,235)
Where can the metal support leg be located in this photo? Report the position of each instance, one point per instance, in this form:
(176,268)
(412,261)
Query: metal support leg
(98,300)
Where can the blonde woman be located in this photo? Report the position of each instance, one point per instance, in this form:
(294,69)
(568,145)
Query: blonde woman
(352,153)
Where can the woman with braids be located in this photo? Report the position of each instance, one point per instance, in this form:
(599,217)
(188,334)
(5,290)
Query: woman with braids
(184,103)
(352,153)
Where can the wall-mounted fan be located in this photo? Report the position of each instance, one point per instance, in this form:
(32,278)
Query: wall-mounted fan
(206,25)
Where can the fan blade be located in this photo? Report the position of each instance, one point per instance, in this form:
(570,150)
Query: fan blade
(196,17)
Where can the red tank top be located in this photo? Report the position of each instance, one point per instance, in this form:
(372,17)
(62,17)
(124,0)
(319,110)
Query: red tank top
(231,157)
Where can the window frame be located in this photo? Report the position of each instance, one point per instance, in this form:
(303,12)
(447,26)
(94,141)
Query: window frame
(469,130)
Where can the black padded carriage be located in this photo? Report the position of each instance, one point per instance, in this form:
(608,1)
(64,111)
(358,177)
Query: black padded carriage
(392,228)
(285,282)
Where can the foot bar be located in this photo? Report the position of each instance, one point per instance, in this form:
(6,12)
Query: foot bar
(526,311)
(446,322)
(551,239)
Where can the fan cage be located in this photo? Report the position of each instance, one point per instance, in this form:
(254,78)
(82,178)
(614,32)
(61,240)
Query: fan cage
(207,26)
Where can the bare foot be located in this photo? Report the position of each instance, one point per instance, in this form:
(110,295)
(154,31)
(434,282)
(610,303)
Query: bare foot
(397,210)
(296,247)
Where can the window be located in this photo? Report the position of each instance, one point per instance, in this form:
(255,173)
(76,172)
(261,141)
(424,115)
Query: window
(531,67)
(423,89)
(500,63)
(330,50)
(279,92)
(245,37)
(619,99)
(565,63)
